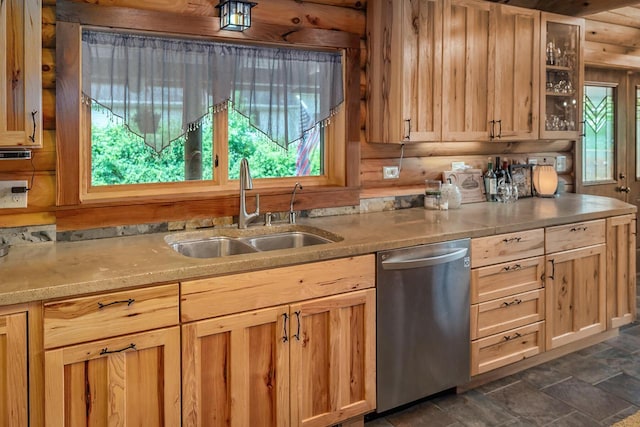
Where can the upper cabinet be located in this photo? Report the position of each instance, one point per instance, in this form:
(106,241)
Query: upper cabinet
(404,70)
(563,68)
(20,73)
(451,70)
(490,71)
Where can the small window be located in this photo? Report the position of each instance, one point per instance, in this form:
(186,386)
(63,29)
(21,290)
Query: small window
(599,134)
(166,111)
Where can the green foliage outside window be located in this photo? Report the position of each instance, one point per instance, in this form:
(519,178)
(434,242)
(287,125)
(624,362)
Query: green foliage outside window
(120,157)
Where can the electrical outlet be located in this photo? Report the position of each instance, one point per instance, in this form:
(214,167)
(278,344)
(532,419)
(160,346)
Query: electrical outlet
(390,172)
(9,199)
(542,160)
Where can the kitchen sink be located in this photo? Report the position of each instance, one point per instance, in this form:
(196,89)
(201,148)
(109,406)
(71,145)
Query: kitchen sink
(212,247)
(226,242)
(286,240)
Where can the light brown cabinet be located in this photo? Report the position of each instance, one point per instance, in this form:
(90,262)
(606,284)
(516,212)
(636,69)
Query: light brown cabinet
(563,70)
(300,362)
(490,71)
(404,70)
(621,270)
(113,358)
(13,369)
(575,282)
(128,380)
(20,73)
(507,299)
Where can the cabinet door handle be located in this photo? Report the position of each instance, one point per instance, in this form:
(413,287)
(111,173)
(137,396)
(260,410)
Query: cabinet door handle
(408,128)
(511,337)
(297,335)
(512,268)
(514,302)
(553,269)
(575,229)
(513,239)
(499,128)
(285,337)
(33,117)
(105,350)
(492,133)
(127,301)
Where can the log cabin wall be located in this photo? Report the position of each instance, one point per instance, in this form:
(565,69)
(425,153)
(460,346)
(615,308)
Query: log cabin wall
(421,160)
(613,39)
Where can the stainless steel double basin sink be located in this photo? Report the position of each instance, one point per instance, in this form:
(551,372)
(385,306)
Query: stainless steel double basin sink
(226,242)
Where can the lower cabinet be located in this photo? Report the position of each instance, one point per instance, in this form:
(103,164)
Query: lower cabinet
(304,364)
(129,380)
(575,282)
(621,270)
(13,370)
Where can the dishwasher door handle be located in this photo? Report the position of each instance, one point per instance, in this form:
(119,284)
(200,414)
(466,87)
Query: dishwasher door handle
(404,262)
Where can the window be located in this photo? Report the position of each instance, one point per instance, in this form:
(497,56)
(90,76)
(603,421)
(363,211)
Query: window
(599,139)
(176,111)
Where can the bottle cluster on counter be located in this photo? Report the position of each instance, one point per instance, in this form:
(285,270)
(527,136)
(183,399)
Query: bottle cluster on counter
(498,185)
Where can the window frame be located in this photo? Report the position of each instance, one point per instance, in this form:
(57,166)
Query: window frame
(342,138)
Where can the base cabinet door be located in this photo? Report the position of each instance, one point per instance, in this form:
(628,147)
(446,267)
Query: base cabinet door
(13,370)
(333,359)
(129,380)
(575,294)
(621,270)
(236,370)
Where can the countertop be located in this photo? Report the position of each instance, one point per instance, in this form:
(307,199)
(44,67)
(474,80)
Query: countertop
(35,272)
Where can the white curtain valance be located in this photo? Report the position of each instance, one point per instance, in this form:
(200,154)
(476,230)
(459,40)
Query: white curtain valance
(162,87)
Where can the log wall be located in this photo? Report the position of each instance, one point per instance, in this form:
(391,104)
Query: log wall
(421,160)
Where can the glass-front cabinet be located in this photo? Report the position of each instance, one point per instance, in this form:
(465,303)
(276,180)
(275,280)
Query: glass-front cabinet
(563,74)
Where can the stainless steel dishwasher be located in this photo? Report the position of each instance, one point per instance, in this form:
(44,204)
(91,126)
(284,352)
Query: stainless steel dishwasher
(422,321)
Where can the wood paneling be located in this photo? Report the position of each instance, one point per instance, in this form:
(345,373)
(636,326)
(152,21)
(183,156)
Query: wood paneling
(321,21)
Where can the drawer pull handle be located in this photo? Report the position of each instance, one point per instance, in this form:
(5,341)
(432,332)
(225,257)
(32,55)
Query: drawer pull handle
(574,229)
(514,302)
(512,268)
(105,350)
(285,338)
(513,239)
(512,337)
(297,335)
(127,301)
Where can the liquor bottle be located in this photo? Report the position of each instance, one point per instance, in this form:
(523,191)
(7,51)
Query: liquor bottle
(505,168)
(490,183)
(500,176)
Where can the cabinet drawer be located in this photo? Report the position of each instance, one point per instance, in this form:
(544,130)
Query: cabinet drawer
(506,247)
(507,347)
(506,313)
(501,280)
(217,296)
(571,236)
(101,316)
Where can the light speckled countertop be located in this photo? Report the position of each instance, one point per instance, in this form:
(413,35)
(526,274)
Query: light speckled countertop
(54,270)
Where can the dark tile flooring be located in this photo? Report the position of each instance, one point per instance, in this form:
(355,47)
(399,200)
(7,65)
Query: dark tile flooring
(596,386)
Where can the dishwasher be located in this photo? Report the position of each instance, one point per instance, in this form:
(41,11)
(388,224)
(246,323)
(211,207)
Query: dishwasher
(422,326)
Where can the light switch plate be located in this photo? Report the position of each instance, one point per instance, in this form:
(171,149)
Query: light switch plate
(390,172)
(9,200)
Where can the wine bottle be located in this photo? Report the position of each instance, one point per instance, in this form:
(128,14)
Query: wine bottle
(490,183)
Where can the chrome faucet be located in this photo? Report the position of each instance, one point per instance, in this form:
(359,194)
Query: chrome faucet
(292,214)
(246,183)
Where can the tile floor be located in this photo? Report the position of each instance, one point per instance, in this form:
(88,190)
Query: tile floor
(597,386)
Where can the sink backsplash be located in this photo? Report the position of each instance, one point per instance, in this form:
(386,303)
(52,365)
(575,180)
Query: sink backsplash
(47,233)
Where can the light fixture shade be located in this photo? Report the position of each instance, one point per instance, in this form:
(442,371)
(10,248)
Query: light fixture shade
(235,15)
(545,180)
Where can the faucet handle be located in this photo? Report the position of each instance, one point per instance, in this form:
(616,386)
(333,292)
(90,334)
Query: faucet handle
(257,204)
(267,219)
(292,217)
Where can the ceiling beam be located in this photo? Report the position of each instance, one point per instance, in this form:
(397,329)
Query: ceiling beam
(571,7)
